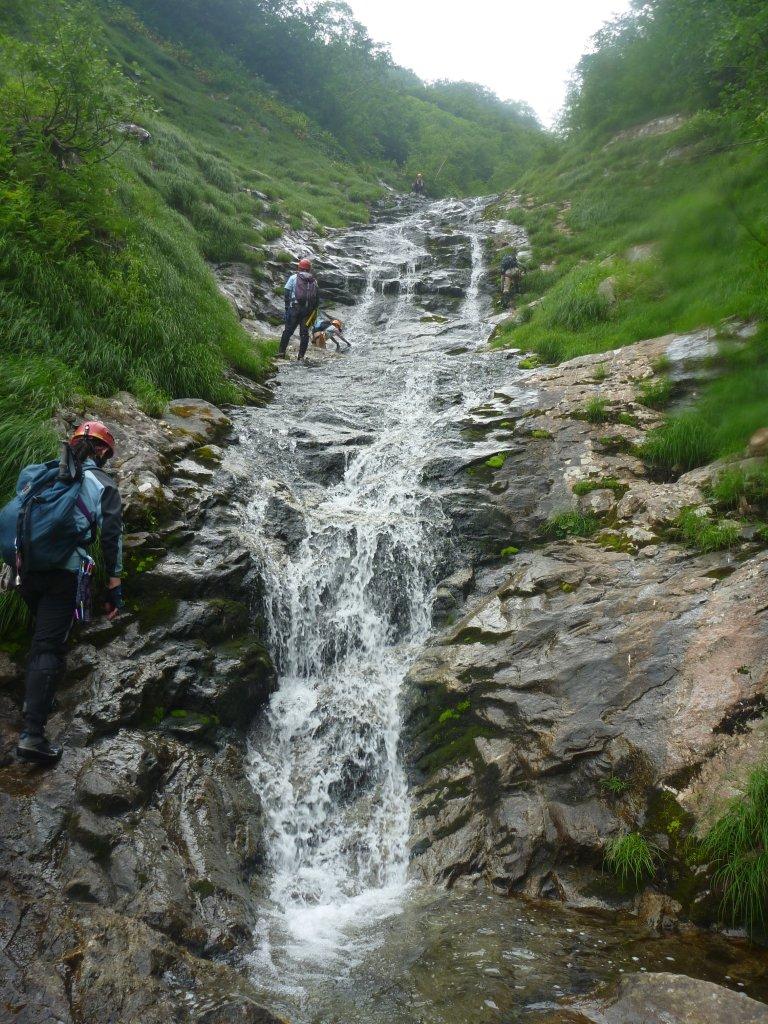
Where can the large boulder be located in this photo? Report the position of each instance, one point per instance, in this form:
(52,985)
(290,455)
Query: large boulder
(667,998)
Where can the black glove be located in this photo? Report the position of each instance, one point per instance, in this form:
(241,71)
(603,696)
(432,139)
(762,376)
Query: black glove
(115,599)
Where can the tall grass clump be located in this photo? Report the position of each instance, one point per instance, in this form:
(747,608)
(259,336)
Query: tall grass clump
(736,488)
(575,303)
(594,411)
(571,523)
(631,858)
(729,410)
(680,444)
(701,533)
(655,394)
(737,846)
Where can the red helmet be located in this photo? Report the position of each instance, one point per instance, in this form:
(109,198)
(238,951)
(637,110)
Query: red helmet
(305,264)
(97,430)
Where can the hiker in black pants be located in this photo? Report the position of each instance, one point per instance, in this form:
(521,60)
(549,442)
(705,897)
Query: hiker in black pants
(56,589)
(301,302)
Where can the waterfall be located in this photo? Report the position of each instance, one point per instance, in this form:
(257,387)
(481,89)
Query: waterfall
(346,616)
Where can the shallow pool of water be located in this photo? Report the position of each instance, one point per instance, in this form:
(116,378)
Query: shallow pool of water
(466,958)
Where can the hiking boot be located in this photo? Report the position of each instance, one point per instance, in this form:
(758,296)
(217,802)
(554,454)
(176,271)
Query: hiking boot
(37,748)
(282,355)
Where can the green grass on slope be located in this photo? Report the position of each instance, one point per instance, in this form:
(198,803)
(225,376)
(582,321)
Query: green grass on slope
(104,283)
(729,410)
(695,201)
(696,212)
(213,104)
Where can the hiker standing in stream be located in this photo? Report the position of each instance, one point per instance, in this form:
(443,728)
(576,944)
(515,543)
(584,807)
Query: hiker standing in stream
(418,185)
(301,302)
(511,274)
(45,532)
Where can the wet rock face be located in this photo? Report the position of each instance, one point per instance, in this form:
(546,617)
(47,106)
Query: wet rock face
(140,857)
(583,680)
(672,998)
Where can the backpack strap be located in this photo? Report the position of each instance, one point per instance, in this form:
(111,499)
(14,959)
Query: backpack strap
(90,516)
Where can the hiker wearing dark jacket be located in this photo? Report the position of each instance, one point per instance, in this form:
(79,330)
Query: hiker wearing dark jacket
(418,185)
(301,302)
(54,595)
(511,273)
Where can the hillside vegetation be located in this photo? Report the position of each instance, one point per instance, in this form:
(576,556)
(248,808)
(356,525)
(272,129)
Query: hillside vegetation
(324,64)
(653,219)
(104,242)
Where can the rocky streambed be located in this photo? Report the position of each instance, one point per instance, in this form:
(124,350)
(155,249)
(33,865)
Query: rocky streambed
(356,748)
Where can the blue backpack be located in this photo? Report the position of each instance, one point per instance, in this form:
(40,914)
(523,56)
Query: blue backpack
(38,530)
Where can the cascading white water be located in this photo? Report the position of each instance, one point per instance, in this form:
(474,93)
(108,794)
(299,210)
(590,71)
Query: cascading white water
(348,606)
(346,615)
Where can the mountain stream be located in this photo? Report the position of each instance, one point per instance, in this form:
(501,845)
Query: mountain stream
(356,541)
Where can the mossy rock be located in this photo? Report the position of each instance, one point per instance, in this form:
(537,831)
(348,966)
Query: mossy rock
(157,613)
(203,887)
(614,541)
(209,455)
(229,620)
(457,746)
(189,724)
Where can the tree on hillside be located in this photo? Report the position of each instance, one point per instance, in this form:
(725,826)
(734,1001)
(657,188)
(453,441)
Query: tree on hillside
(667,56)
(61,102)
(60,94)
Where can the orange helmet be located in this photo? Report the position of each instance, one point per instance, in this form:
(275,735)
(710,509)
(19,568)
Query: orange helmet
(337,324)
(95,429)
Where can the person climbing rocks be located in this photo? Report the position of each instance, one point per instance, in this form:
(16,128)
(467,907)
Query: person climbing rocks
(301,302)
(511,274)
(418,185)
(324,330)
(58,510)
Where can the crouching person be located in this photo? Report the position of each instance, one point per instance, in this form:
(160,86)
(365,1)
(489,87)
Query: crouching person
(325,330)
(45,533)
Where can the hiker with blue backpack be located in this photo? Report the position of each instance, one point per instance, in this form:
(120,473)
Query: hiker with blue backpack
(301,302)
(45,533)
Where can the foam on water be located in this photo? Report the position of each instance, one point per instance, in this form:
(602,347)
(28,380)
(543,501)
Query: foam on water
(347,612)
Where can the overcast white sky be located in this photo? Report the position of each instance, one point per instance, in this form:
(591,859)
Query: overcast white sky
(522,49)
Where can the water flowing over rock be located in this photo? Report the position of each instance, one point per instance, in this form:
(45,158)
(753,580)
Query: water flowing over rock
(671,998)
(352,664)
